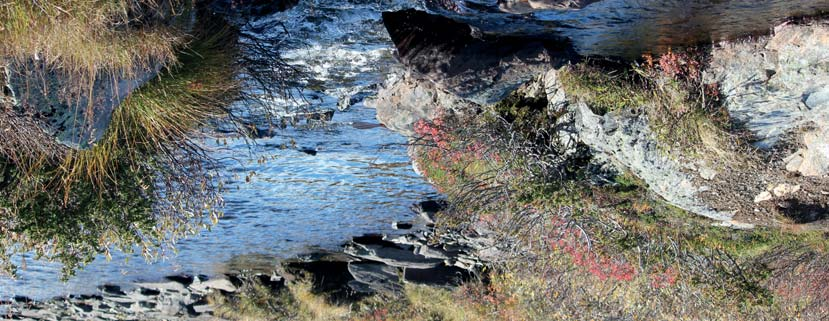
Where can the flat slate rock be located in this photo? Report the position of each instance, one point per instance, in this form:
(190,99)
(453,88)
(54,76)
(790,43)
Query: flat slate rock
(391,255)
(437,276)
(377,276)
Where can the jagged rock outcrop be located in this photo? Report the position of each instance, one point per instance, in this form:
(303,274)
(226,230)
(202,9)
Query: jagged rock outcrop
(176,298)
(625,140)
(367,264)
(774,86)
(778,85)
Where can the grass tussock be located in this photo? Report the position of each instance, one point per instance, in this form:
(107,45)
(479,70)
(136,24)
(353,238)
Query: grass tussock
(143,185)
(255,301)
(297,301)
(166,111)
(86,37)
(604,89)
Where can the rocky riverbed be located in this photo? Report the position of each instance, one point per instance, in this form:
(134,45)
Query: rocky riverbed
(365,265)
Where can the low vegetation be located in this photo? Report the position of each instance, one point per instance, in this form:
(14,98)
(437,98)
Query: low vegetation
(596,245)
(683,109)
(583,243)
(143,184)
(256,301)
(147,181)
(89,37)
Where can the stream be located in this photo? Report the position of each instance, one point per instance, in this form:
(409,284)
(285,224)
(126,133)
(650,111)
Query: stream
(361,180)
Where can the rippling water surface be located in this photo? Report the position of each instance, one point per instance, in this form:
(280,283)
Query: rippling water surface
(360,180)
(627,28)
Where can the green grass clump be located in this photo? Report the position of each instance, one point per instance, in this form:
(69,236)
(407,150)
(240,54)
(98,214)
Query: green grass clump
(164,112)
(87,37)
(143,184)
(684,120)
(604,90)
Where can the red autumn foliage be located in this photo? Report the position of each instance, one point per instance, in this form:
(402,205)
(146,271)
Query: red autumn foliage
(680,64)
(603,267)
(445,149)
(664,279)
(381,314)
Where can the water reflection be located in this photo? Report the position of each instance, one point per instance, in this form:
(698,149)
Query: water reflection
(628,28)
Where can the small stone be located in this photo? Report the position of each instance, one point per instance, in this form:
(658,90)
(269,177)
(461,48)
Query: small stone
(794,162)
(785,189)
(707,173)
(762,197)
(202,308)
(401,225)
(219,284)
(164,286)
(819,98)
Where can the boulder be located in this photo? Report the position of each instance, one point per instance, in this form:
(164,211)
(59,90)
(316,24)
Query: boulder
(467,61)
(437,276)
(777,85)
(391,254)
(74,116)
(404,100)
(377,276)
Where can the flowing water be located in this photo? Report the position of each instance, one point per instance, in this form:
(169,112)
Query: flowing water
(361,180)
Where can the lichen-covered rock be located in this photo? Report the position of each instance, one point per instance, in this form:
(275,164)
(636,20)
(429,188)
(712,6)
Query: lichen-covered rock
(625,140)
(404,100)
(779,84)
(813,158)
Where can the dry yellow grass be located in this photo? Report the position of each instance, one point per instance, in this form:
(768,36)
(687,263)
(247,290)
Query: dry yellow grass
(90,36)
(312,307)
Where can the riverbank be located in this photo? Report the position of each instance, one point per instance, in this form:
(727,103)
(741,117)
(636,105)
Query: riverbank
(685,184)
(307,287)
(670,187)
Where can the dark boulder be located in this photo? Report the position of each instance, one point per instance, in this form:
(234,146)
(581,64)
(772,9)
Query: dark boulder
(468,61)
(437,276)
(376,276)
